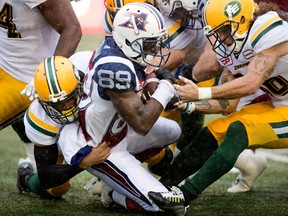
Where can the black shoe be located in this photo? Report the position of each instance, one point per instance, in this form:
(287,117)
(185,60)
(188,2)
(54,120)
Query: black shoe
(171,202)
(163,165)
(24,169)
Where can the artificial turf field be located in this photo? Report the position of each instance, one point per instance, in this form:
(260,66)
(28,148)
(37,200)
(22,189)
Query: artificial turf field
(269,195)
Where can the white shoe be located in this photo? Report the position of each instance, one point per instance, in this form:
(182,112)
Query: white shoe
(106,198)
(171,202)
(94,186)
(254,168)
(24,169)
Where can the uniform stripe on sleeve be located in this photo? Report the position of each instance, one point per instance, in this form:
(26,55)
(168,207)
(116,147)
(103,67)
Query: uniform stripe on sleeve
(41,126)
(281,129)
(269,25)
(175,30)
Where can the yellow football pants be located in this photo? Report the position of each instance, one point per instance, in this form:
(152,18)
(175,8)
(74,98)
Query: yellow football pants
(266,126)
(11,101)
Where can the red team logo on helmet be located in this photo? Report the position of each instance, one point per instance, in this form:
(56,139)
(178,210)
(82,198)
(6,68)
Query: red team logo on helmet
(138,19)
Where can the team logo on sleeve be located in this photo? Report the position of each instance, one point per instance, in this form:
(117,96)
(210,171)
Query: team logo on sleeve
(248,54)
(226,61)
(138,19)
(232,9)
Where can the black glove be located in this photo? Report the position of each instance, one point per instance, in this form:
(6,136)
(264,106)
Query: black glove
(170,105)
(165,74)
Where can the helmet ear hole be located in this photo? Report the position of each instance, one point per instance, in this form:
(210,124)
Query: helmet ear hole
(127,42)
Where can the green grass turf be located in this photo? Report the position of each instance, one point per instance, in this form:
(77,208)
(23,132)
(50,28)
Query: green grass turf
(268,197)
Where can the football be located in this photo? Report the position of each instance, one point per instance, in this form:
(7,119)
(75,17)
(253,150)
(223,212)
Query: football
(150,85)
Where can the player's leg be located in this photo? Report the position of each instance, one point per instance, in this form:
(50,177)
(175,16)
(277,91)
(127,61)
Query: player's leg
(251,166)
(12,102)
(220,162)
(160,162)
(126,176)
(19,128)
(163,133)
(239,136)
(191,158)
(53,178)
(13,106)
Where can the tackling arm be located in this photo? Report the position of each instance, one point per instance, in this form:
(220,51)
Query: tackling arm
(258,70)
(51,174)
(215,106)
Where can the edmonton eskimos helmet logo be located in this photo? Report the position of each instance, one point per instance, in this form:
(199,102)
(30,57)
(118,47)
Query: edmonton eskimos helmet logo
(232,9)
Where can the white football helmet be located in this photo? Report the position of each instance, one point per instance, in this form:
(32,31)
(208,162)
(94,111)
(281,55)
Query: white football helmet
(188,10)
(138,30)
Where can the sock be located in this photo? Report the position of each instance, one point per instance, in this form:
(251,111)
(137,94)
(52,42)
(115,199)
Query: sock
(190,124)
(32,182)
(219,163)
(191,158)
(29,147)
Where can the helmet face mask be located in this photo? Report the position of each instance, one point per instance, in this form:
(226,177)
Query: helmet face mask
(237,15)
(149,49)
(187,10)
(58,113)
(57,84)
(139,32)
(223,39)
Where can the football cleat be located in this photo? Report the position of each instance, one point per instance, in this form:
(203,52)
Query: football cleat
(23,170)
(171,202)
(256,166)
(94,186)
(106,193)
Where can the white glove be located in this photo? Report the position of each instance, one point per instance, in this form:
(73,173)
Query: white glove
(94,186)
(29,90)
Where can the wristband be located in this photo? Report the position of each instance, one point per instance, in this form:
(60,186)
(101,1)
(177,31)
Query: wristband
(204,93)
(190,107)
(164,93)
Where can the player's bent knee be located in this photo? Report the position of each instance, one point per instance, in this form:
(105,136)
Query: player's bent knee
(60,190)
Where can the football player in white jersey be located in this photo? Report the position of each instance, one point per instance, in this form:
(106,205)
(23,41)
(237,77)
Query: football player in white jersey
(188,45)
(30,31)
(251,41)
(112,111)
(58,85)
